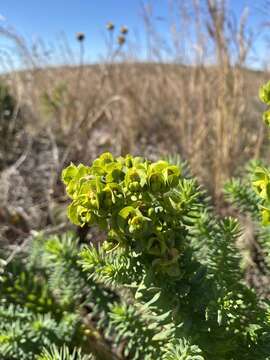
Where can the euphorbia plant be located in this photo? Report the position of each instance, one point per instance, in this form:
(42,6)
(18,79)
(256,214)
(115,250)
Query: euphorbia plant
(173,261)
(136,201)
(261,181)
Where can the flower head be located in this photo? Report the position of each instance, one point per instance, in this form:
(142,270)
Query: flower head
(80,36)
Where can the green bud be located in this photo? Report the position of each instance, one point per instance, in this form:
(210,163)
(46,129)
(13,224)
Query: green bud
(135,178)
(156,178)
(69,173)
(156,182)
(72,177)
(261,183)
(137,161)
(124,216)
(134,186)
(156,246)
(172,175)
(114,172)
(264,93)
(99,165)
(106,158)
(106,199)
(138,224)
(109,195)
(159,166)
(86,216)
(266,117)
(128,161)
(133,175)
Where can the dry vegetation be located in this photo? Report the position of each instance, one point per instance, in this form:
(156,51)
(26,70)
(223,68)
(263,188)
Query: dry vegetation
(193,96)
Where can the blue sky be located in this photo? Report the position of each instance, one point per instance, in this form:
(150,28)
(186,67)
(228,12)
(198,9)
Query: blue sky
(48,18)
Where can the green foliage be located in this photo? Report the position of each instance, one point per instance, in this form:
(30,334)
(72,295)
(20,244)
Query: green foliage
(173,261)
(145,333)
(182,350)
(166,284)
(241,195)
(7,103)
(261,181)
(42,293)
(24,332)
(136,202)
(254,205)
(63,353)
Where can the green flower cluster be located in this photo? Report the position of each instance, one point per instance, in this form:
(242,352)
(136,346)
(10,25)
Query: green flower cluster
(261,182)
(136,201)
(264,95)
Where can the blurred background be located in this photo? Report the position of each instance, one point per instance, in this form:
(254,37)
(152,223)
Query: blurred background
(150,78)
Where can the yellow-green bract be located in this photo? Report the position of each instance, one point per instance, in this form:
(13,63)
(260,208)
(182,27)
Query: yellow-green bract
(261,182)
(135,200)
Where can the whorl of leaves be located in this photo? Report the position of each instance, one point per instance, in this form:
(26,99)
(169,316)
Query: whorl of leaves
(63,353)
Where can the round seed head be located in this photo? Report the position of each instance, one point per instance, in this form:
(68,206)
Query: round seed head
(121,39)
(110,26)
(124,30)
(80,36)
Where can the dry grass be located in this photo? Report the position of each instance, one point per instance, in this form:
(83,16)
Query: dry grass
(192,96)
